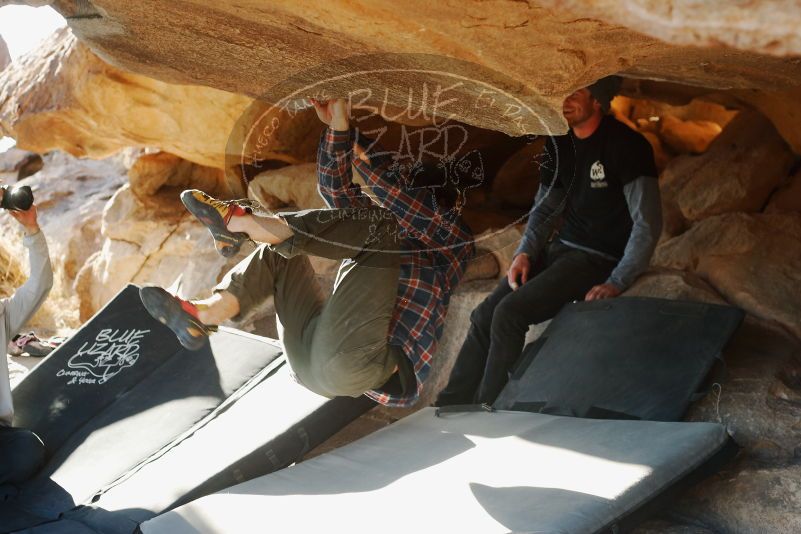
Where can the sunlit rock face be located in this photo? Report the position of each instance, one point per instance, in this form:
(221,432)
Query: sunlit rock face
(112,222)
(146,236)
(62,96)
(70,195)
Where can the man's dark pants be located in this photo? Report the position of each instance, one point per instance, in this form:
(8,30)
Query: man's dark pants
(21,454)
(499,324)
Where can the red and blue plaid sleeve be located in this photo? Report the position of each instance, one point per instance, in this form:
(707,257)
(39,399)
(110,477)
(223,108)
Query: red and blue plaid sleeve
(415,209)
(335,173)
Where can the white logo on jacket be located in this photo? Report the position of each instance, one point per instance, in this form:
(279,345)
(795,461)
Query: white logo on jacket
(597,175)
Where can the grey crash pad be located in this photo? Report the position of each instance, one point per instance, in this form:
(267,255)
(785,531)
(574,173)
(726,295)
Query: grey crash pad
(465,472)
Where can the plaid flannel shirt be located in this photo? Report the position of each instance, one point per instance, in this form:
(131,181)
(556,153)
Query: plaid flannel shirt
(436,245)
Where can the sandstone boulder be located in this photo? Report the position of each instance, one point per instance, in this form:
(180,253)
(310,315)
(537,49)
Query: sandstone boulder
(295,185)
(782,106)
(494,253)
(155,243)
(70,195)
(786,198)
(760,398)
(267,137)
(748,498)
(16,164)
(669,129)
(516,183)
(246,48)
(760,403)
(152,172)
(676,174)
(675,285)
(738,172)
(753,261)
(63,96)
(767,28)
(501,243)
(649,109)
(687,136)
(672,129)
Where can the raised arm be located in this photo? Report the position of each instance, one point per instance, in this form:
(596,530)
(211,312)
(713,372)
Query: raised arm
(414,208)
(19,307)
(335,159)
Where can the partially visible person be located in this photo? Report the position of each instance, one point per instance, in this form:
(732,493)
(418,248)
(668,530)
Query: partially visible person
(22,453)
(602,180)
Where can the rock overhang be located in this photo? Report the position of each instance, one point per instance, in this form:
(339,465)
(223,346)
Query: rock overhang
(539,52)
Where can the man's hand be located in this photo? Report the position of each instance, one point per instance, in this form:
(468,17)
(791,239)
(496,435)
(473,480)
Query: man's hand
(333,112)
(603,291)
(521,265)
(27,219)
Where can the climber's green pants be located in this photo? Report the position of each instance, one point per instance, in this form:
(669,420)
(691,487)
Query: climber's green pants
(335,346)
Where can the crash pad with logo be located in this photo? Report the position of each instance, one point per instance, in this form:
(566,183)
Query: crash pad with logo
(122,392)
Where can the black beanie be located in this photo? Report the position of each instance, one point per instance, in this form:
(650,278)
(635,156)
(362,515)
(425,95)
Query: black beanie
(605,89)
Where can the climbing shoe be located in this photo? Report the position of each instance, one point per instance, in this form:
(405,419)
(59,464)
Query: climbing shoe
(216,214)
(178,315)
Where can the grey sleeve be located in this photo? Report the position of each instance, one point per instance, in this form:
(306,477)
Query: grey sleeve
(19,307)
(645,207)
(548,204)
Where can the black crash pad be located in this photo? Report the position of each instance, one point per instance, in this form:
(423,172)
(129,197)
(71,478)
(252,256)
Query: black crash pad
(270,427)
(122,393)
(623,358)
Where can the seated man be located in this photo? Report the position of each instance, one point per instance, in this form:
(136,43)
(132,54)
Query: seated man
(602,179)
(21,451)
(401,260)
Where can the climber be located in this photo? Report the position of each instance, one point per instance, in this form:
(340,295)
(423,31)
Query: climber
(401,258)
(601,178)
(21,451)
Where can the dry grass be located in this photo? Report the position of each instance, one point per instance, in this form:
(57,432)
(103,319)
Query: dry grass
(59,313)
(11,274)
